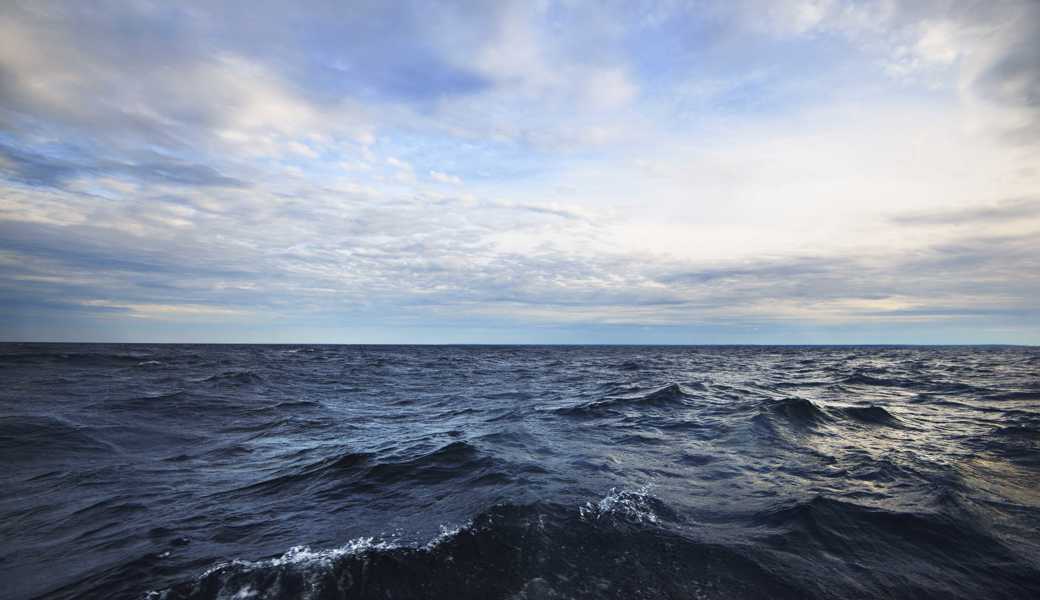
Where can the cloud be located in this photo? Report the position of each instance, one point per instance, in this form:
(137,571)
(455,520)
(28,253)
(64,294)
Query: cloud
(1009,76)
(1007,211)
(545,210)
(398,163)
(26,167)
(516,165)
(389,262)
(445,178)
(992,47)
(38,169)
(167,311)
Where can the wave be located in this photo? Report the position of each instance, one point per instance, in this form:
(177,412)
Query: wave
(671,395)
(1017,395)
(1018,443)
(34,437)
(507,551)
(446,462)
(1018,431)
(634,506)
(289,406)
(234,378)
(865,379)
(798,411)
(872,539)
(873,414)
(73,358)
(352,473)
(172,401)
(801,412)
(800,383)
(667,395)
(884,470)
(334,467)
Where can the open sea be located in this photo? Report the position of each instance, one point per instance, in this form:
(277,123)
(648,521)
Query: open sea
(253,472)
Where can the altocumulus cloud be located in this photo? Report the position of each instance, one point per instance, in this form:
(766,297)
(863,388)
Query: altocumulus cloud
(513,171)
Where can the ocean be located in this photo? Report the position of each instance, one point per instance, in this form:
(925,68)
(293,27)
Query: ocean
(237,472)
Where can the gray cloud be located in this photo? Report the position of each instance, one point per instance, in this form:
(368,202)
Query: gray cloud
(34,169)
(762,271)
(140,69)
(397,269)
(1012,76)
(1007,211)
(37,169)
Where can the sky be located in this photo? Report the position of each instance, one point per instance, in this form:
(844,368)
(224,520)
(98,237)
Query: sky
(785,171)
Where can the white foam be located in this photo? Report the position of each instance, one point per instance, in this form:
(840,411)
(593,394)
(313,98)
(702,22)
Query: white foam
(245,593)
(302,559)
(632,504)
(306,559)
(446,534)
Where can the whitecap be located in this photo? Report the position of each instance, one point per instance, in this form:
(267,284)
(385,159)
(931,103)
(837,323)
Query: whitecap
(631,504)
(304,559)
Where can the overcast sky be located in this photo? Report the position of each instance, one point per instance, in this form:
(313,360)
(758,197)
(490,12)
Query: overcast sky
(783,171)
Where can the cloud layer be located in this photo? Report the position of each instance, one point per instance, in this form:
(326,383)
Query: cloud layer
(795,171)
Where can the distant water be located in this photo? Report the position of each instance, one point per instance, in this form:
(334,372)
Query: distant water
(240,472)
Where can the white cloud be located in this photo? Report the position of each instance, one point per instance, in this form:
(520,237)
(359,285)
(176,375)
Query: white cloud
(440,177)
(167,311)
(302,149)
(399,164)
(938,42)
(610,88)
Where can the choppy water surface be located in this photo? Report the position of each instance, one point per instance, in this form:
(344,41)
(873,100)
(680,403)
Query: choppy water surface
(519,472)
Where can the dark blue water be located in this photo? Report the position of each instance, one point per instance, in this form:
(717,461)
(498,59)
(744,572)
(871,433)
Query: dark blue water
(519,472)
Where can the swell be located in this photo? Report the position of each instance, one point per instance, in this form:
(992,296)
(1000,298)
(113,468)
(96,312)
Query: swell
(798,411)
(358,472)
(72,358)
(805,413)
(875,415)
(131,475)
(507,551)
(234,378)
(1016,395)
(30,437)
(631,545)
(866,379)
(671,395)
(877,545)
(1019,443)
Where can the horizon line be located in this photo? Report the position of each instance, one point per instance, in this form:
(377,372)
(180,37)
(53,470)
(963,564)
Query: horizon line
(531,344)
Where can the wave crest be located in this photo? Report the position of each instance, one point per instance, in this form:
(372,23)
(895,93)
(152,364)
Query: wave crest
(637,506)
(669,396)
(508,551)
